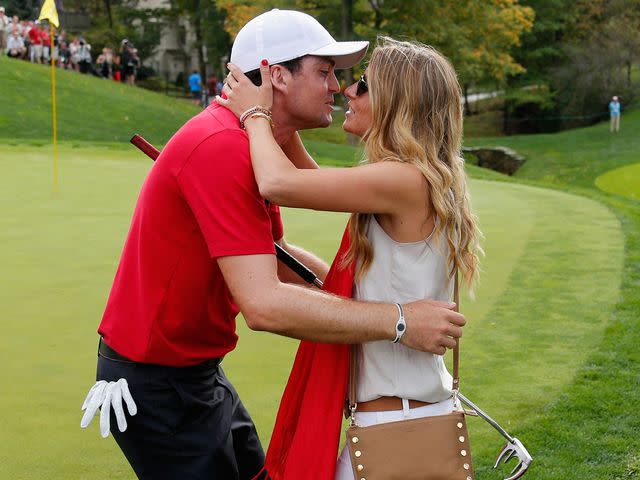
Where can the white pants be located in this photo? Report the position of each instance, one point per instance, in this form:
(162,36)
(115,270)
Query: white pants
(344,471)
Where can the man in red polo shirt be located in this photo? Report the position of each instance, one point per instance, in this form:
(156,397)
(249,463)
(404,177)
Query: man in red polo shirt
(200,249)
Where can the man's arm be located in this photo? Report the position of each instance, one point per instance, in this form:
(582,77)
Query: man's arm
(270,305)
(313,262)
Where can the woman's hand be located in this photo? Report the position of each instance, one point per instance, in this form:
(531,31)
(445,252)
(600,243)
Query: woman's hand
(242,94)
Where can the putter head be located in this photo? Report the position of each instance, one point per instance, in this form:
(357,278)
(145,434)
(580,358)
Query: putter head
(515,449)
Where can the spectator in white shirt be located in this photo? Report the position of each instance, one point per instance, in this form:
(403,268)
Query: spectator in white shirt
(15,45)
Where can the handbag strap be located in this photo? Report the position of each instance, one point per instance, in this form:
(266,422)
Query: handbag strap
(353,367)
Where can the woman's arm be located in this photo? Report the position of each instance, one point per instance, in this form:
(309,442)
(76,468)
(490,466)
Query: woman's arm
(384,187)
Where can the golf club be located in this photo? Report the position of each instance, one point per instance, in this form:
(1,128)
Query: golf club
(285,257)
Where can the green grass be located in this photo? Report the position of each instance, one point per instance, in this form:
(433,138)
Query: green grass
(550,350)
(622,181)
(589,431)
(89,109)
(61,252)
(574,157)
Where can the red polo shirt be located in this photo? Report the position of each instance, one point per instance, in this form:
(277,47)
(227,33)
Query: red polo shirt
(169,304)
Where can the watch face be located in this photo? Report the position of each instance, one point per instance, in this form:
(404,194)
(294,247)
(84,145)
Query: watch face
(401,327)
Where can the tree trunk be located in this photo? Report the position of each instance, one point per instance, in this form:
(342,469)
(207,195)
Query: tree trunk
(376,5)
(465,91)
(197,27)
(347,34)
(107,6)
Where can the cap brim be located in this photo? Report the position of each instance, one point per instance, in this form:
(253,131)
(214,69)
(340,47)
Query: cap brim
(345,54)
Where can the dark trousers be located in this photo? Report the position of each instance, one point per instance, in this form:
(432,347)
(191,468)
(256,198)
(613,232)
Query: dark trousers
(190,424)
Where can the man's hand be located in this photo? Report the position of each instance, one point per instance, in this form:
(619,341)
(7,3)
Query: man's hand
(432,326)
(103,395)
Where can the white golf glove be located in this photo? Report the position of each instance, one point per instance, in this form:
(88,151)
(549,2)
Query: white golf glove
(103,395)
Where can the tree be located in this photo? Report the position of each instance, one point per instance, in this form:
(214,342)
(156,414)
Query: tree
(478,36)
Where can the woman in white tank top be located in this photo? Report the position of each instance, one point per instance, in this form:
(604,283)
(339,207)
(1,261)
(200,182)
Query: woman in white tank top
(411,225)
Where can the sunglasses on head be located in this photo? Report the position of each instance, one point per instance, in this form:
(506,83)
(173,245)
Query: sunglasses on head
(363,86)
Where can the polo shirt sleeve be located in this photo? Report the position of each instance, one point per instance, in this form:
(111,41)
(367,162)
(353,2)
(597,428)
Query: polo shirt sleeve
(218,184)
(277,227)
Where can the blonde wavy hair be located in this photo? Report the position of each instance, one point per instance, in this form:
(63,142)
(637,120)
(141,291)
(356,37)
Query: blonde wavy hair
(417,118)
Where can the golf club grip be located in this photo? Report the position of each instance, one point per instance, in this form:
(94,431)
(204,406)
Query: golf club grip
(151,151)
(285,257)
(299,268)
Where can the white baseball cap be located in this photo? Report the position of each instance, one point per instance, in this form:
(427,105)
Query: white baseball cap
(281,35)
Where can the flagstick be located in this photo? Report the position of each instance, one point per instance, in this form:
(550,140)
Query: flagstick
(53,87)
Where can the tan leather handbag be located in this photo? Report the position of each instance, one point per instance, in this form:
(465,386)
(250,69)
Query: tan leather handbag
(429,448)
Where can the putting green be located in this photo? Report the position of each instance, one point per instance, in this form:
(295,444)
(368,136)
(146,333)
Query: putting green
(551,275)
(622,181)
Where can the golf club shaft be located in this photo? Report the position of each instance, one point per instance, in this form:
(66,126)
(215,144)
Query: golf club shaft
(486,417)
(285,257)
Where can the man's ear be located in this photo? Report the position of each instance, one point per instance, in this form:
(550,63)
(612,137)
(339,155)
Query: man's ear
(280,77)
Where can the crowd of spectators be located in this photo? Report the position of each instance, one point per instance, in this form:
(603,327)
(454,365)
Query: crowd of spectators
(31,41)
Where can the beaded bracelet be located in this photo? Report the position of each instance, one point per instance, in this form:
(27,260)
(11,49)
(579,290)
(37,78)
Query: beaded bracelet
(256,109)
(259,115)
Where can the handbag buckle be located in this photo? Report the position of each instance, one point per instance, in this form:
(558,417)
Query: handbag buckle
(352,410)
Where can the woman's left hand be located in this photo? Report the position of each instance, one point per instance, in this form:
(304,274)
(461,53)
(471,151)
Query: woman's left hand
(242,94)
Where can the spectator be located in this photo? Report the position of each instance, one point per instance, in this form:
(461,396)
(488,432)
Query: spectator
(84,57)
(35,44)
(135,64)
(15,45)
(614,112)
(15,22)
(195,85)
(117,68)
(65,54)
(74,48)
(46,44)
(108,58)
(212,87)
(130,61)
(4,29)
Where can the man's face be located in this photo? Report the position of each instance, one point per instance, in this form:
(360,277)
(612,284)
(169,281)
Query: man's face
(308,95)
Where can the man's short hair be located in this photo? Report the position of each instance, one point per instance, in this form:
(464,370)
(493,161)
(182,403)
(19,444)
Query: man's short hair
(293,66)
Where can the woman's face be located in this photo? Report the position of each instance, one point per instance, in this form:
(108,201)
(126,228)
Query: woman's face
(358,115)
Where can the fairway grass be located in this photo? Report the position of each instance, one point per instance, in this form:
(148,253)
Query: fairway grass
(548,288)
(622,181)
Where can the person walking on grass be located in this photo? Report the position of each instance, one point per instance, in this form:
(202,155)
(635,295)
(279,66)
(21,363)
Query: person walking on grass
(614,113)
(195,87)
(201,249)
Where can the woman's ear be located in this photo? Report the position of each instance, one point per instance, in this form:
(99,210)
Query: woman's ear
(280,77)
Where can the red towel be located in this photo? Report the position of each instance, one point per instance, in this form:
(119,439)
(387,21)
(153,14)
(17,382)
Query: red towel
(306,435)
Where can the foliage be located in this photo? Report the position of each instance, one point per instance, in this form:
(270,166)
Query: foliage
(585,51)
(206,19)
(24,9)
(114,20)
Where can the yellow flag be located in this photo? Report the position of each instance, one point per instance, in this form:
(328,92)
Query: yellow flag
(50,13)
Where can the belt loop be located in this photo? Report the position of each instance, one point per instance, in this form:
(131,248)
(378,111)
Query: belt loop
(405,408)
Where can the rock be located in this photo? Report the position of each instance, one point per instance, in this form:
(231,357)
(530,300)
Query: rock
(500,159)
